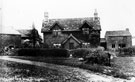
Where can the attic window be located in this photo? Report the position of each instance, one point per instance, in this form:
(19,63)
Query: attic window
(85,30)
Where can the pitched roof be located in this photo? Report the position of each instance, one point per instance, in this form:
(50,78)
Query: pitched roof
(72,23)
(56,24)
(118,33)
(24,32)
(9,30)
(71,36)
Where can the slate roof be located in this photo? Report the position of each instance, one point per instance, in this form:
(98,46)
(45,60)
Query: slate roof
(72,23)
(24,32)
(118,33)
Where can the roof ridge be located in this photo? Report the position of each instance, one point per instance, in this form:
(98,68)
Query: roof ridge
(116,30)
(70,18)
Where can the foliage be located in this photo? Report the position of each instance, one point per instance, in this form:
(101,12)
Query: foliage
(43,52)
(10,52)
(94,39)
(35,39)
(128,51)
(83,52)
(116,72)
(98,57)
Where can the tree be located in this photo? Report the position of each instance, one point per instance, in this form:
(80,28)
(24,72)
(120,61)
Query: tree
(35,39)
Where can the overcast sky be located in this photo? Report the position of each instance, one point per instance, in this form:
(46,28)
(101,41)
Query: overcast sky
(114,14)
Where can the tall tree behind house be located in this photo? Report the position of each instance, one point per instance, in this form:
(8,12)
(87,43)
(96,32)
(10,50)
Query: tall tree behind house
(35,38)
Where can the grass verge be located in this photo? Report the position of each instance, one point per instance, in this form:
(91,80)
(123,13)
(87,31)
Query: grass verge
(74,62)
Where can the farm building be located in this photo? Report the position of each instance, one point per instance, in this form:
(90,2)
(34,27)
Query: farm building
(118,39)
(71,33)
(9,38)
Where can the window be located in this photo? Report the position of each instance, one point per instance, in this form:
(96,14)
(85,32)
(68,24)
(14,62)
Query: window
(85,30)
(56,32)
(113,45)
(57,45)
(122,45)
(85,45)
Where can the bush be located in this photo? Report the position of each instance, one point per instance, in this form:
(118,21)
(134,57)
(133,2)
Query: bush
(82,52)
(10,52)
(128,51)
(43,52)
(98,57)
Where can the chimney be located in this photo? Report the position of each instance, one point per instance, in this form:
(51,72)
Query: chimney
(45,20)
(127,29)
(46,17)
(95,15)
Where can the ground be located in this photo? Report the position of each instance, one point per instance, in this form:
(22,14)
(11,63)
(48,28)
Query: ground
(18,70)
(126,65)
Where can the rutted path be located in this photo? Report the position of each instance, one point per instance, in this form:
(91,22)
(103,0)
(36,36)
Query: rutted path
(86,75)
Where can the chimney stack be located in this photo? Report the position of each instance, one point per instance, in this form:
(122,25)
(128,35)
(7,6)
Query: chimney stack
(46,17)
(95,15)
(127,29)
(45,20)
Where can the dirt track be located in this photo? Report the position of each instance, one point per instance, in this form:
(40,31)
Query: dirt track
(13,69)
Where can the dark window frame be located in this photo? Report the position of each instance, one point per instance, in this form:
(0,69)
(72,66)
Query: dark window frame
(85,30)
(113,45)
(122,45)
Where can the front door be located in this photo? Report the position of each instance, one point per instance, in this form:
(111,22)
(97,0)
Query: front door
(71,45)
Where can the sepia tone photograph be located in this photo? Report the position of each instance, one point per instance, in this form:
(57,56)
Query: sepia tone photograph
(67,41)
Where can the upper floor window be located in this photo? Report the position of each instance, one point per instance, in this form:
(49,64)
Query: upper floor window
(85,45)
(57,45)
(85,30)
(56,32)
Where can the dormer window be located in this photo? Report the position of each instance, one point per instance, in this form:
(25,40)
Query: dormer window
(85,30)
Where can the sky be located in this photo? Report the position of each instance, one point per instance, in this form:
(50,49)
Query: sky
(114,14)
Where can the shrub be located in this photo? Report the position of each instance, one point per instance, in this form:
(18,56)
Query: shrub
(128,51)
(43,52)
(81,52)
(98,57)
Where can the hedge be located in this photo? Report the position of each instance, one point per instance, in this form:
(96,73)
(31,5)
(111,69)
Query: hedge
(98,57)
(79,53)
(93,55)
(128,51)
(43,52)
(82,52)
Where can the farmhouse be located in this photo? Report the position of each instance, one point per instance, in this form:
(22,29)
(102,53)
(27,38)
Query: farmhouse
(71,33)
(118,39)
